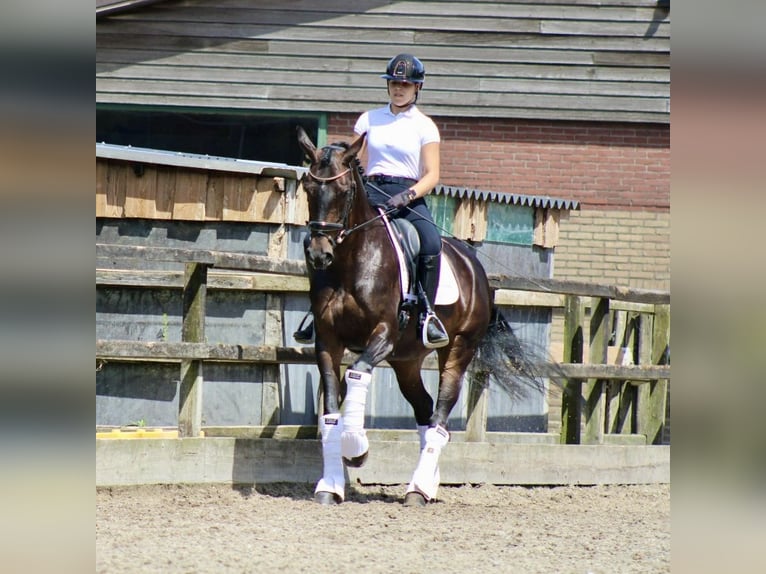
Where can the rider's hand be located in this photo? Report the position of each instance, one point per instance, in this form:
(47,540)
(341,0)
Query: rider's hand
(401,199)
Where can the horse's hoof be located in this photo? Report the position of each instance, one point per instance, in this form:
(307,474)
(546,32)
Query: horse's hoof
(414,499)
(326,498)
(357,461)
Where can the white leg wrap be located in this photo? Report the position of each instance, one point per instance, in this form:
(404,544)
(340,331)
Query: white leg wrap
(425,479)
(422,435)
(354,438)
(333,480)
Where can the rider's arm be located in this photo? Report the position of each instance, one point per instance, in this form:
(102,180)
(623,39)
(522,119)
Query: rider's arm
(429,161)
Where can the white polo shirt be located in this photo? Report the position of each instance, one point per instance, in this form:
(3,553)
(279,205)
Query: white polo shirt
(394,141)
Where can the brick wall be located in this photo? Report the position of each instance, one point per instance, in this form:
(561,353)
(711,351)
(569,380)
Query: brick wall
(619,172)
(630,248)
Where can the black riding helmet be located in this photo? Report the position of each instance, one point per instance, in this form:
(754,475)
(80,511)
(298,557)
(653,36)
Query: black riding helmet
(405,68)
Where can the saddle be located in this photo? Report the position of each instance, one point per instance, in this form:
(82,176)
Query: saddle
(406,242)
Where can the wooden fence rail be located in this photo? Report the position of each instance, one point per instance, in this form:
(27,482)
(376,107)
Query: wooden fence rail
(599,398)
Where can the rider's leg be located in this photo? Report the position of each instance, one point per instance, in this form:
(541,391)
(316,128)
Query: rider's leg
(428,277)
(429,261)
(305,333)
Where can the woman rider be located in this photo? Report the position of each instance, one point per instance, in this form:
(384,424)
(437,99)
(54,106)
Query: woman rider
(403,146)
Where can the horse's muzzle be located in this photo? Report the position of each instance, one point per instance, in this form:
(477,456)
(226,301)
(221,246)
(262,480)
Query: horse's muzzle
(319,252)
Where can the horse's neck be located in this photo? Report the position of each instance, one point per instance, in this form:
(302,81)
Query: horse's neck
(361,210)
(358,241)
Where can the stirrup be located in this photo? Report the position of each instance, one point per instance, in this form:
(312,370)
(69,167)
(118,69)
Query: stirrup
(305,335)
(436,343)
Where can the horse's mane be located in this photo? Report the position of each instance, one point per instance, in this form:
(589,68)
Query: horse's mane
(328,150)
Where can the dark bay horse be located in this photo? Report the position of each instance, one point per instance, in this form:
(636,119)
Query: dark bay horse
(355,295)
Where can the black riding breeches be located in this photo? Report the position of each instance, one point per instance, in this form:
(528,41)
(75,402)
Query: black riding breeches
(416,213)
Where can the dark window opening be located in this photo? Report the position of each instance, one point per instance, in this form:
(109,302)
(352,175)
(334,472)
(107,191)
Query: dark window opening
(236,135)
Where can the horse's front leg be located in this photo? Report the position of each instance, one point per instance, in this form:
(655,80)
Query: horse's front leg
(331,488)
(354,443)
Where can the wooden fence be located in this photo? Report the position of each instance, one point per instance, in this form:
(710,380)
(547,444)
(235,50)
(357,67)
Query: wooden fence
(600,401)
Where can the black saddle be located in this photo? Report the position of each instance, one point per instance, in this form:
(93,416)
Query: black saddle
(409,240)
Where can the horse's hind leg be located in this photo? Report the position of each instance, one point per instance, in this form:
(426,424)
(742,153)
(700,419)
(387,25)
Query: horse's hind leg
(425,480)
(413,390)
(421,488)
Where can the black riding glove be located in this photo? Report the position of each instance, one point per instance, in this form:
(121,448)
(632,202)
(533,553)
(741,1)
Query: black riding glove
(401,199)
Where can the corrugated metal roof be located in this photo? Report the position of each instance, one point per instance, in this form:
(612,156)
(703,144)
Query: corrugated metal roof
(543,201)
(197,161)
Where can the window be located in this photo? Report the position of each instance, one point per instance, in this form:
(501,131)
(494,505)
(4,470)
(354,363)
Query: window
(241,135)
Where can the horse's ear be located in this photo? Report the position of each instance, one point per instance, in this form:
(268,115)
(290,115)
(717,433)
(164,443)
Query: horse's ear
(306,144)
(354,149)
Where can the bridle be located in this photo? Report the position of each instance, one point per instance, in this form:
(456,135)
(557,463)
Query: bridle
(341,230)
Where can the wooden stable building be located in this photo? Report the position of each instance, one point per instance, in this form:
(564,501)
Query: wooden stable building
(555,162)
(159,199)
(564,99)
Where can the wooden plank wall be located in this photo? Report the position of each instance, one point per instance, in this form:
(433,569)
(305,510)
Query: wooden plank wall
(602,60)
(149,191)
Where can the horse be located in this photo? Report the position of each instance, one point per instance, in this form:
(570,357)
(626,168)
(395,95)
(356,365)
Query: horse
(356,300)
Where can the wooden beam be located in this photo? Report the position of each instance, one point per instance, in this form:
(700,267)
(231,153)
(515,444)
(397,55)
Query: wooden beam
(221,279)
(477,405)
(571,400)
(257,461)
(498,281)
(594,410)
(219,259)
(652,398)
(123,350)
(193,331)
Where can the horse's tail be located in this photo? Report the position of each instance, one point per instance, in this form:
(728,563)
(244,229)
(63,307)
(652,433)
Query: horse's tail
(511,364)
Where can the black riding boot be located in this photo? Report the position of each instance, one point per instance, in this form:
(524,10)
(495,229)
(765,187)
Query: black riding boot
(428,277)
(305,335)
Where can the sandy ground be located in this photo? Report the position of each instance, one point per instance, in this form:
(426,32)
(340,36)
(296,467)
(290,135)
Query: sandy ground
(471,529)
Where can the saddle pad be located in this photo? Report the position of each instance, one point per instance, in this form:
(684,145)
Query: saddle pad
(446,292)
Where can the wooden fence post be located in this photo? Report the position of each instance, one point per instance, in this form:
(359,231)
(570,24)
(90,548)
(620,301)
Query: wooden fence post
(620,328)
(193,331)
(652,396)
(595,403)
(478,394)
(621,419)
(271,404)
(571,401)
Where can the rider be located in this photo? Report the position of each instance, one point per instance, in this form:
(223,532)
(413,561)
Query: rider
(403,166)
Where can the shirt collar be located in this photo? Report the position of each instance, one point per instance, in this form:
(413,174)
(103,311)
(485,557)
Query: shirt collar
(403,114)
